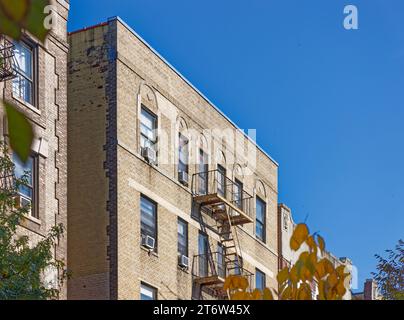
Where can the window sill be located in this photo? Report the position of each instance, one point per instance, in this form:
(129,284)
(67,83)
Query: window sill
(27,104)
(150,252)
(33,219)
(185,270)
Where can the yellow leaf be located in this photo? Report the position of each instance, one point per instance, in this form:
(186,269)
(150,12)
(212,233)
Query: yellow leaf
(240,295)
(268,294)
(256,295)
(321,271)
(300,235)
(312,244)
(242,283)
(14,10)
(286,294)
(282,275)
(321,290)
(341,290)
(293,274)
(332,280)
(321,243)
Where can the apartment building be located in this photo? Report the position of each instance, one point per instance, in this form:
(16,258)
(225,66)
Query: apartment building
(288,257)
(33,77)
(167,196)
(370,291)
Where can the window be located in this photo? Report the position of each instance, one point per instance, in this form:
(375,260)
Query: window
(203,245)
(221,181)
(183,156)
(203,172)
(238,194)
(221,266)
(23,84)
(182,237)
(238,265)
(148,129)
(148,225)
(147,292)
(259,279)
(285,221)
(26,171)
(260,219)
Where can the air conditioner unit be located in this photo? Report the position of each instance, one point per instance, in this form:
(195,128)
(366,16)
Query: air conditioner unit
(183,261)
(149,154)
(148,242)
(183,177)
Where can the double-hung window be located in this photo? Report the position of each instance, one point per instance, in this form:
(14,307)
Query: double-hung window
(148,219)
(221,181)
(259,280)
(147,292)
(238,194)
(183,155)
(23,83)
(221,265)
(26,172)
(260,219)
(203,172)
(182,237)
(148,129)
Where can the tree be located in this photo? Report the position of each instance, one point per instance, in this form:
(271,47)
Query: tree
(16,15)
(296,282)
(390,273)
(23,264)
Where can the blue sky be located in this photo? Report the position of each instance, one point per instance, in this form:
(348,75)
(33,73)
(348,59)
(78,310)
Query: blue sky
(327,103)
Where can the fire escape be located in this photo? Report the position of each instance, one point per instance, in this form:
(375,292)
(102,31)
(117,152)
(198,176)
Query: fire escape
(224,206)
(7,60)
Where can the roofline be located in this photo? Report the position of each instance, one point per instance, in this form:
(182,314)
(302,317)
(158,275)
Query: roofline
(117,18)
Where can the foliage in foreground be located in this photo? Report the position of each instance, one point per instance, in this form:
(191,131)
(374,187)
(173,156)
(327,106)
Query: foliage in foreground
(390,273)
(298,282)
(16,15)
(23,264)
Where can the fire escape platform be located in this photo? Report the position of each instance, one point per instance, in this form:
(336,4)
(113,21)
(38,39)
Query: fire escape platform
(212,200)
(210,280)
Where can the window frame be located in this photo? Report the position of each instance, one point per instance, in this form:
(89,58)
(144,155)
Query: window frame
(33,187)
(263,279)
(221,172)
(238,186)
(257,221)
(185,225)
(143,108)
(33,48)
(203,163)
(154,291)
(142,233)
(180,149)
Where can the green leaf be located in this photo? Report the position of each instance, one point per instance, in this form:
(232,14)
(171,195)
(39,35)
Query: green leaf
(20,132)
(23,14)
(34,21)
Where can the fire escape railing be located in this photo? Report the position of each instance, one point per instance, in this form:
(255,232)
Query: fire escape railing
(214,183)
(7,60)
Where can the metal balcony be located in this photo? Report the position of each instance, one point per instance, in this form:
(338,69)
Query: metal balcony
(214,191)
(8,63)
(212,269)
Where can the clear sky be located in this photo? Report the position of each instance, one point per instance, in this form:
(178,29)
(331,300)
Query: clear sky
(327,103)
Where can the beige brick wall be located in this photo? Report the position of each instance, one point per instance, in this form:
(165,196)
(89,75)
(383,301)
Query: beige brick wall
(49,118)
(88,184)
(142,77)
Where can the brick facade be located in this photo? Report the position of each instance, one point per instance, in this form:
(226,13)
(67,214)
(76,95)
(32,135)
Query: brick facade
(112,73)
(48,114)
